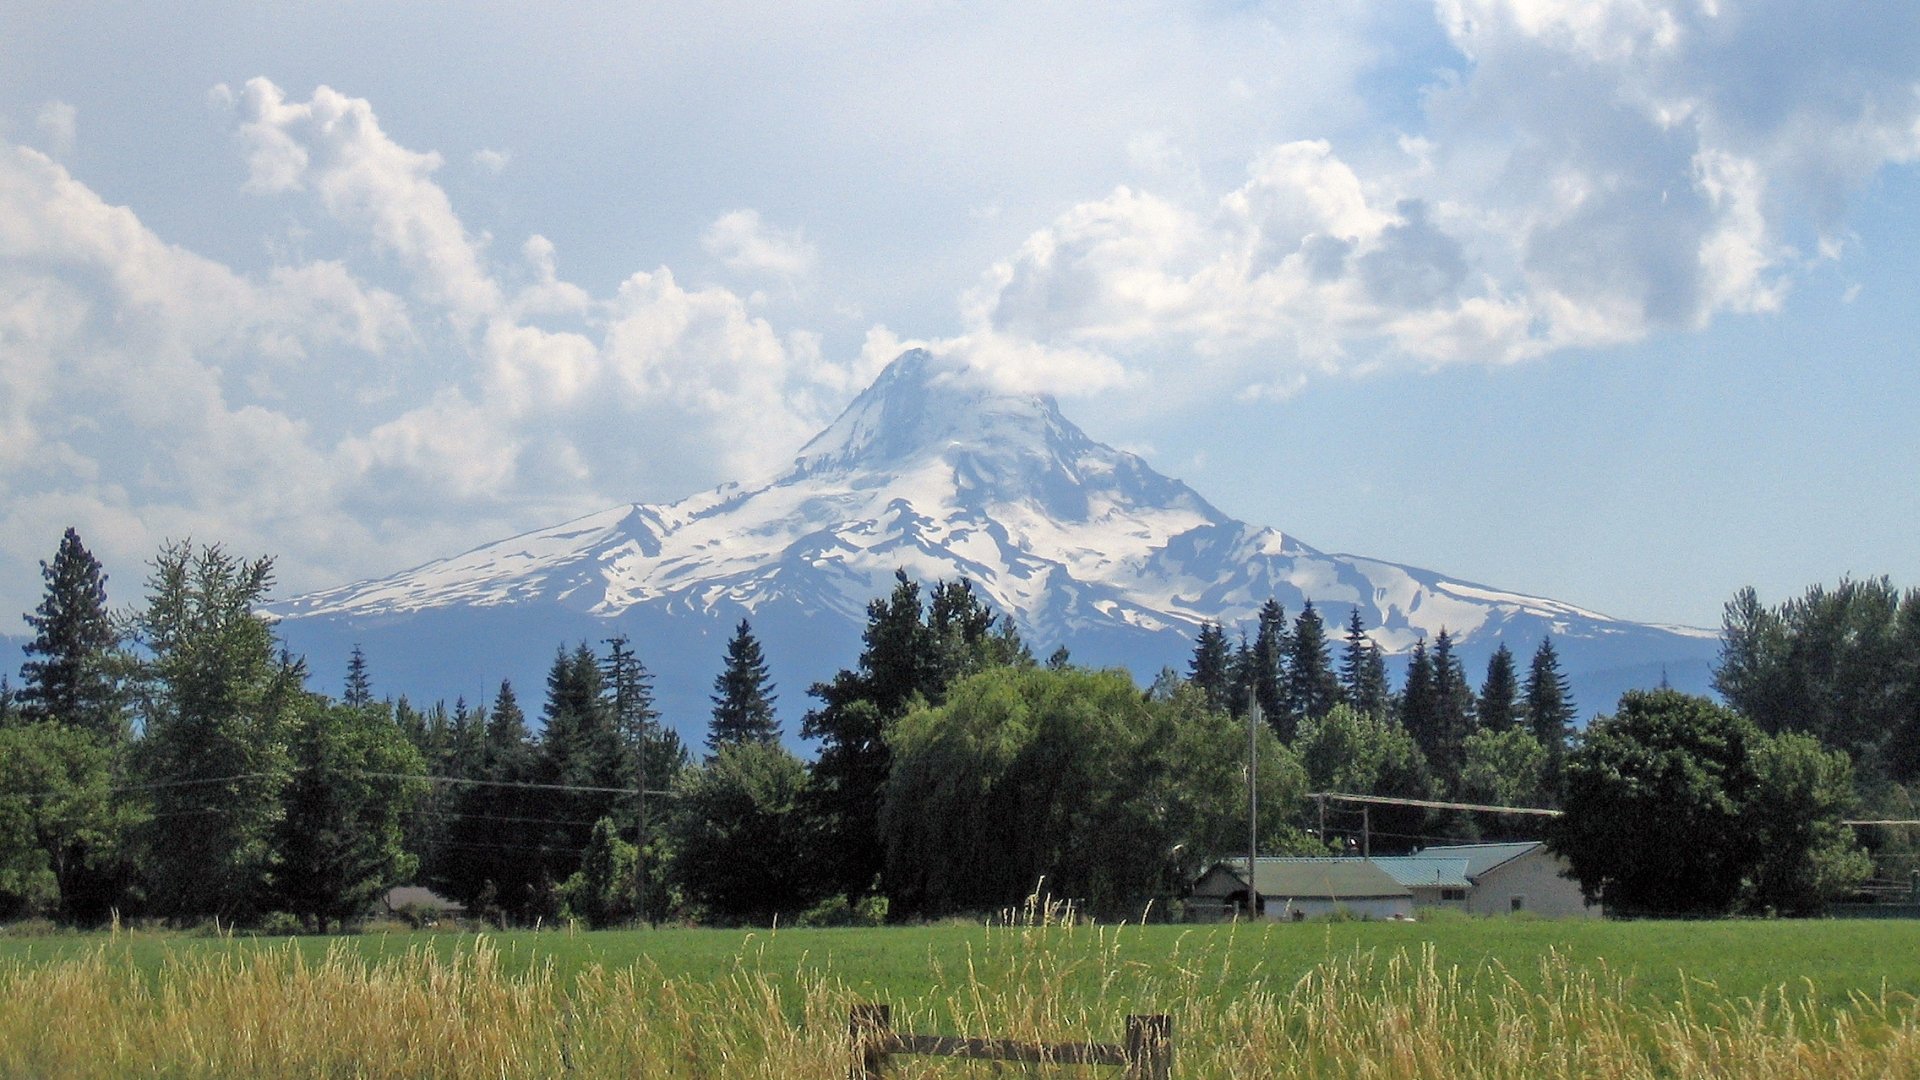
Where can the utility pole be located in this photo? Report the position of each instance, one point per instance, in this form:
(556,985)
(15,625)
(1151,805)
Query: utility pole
(1253,800)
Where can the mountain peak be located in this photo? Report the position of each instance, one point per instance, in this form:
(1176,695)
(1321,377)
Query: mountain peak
(923,404)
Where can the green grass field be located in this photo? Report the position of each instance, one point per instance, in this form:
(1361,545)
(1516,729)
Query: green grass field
(1445,998)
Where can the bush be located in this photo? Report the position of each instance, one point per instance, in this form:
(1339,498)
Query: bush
(837,910)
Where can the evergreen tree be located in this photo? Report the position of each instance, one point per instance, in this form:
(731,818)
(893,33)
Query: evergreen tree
(909,656)
(1453,709)
(655,756)
(9,705)
(1549,709)
(1312,689)
(1418,713)
(743,696)
(494,837)
(1499,704)
(74,638)
(1363,671)
(341,841)
(359,689)
(1270,644)
(1211,669)
(857,710)
(217,705)
(1242,670)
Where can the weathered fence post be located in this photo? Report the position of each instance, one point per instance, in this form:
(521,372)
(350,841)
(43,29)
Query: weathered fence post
(870,1028)
(1149,1047)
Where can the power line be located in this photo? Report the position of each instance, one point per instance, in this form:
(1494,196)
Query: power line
(506,783)
(1433,804)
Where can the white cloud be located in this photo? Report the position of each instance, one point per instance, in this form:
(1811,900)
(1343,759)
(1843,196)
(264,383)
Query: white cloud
(57,122)
(747,245)
(1598,172)
(147,391)
(493,161)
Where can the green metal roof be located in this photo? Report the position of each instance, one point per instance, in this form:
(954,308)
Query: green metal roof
(1322,879)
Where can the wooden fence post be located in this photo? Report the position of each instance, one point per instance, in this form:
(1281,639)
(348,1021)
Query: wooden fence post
(870,1029)
(1149,1047)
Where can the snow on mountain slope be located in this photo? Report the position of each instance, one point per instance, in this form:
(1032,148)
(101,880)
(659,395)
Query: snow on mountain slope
(931,471)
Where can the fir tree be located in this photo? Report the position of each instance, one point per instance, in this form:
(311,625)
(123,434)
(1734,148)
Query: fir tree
(743,696)
(1242,670)
(73,640)
(359,689)
(1417,708)
(1363,671)
(1499,705)
(1549,709)
(1312,689)
(1211,669)
(1270,643)
(1453,709)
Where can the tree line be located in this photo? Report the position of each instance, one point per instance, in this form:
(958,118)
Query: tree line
(173,761)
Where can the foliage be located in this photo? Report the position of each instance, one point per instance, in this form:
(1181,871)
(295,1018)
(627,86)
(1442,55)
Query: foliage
(1363,754)
(1678,805)
(1210,670)
(1312,689)
(602,890)
(1840,664)
(1363,671)
(1498,707)
(61,826)
(216,702)
(1549,709)
(1807,858)
(346,808)
(907,657)
(1504,767)
(743,695)
(73,680)
(1071,777)
(740,839)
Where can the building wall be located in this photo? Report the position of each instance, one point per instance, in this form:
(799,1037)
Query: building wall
(1535,879)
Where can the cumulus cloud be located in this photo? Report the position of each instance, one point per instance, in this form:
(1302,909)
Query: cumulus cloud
(1593,174)
(147,391)
(747,245)
(493,161)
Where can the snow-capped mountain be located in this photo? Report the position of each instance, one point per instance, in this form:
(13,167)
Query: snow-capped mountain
(933,471)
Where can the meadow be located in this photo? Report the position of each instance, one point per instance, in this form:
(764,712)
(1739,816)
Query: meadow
(1478,998)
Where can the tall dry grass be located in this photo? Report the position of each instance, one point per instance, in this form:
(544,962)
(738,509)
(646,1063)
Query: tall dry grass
(272,1012)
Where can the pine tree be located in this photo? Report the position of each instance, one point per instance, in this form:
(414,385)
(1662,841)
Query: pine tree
(1549,709)
(359,689)
(74,638)
(1211,669)
(743,696)
(1312,689)
(1363,671)
(1499,705)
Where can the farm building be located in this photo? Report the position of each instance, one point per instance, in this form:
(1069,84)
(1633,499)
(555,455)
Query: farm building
(1481,879)
(1302,889)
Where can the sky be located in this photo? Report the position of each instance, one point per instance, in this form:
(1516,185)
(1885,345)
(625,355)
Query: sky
(1609,301)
